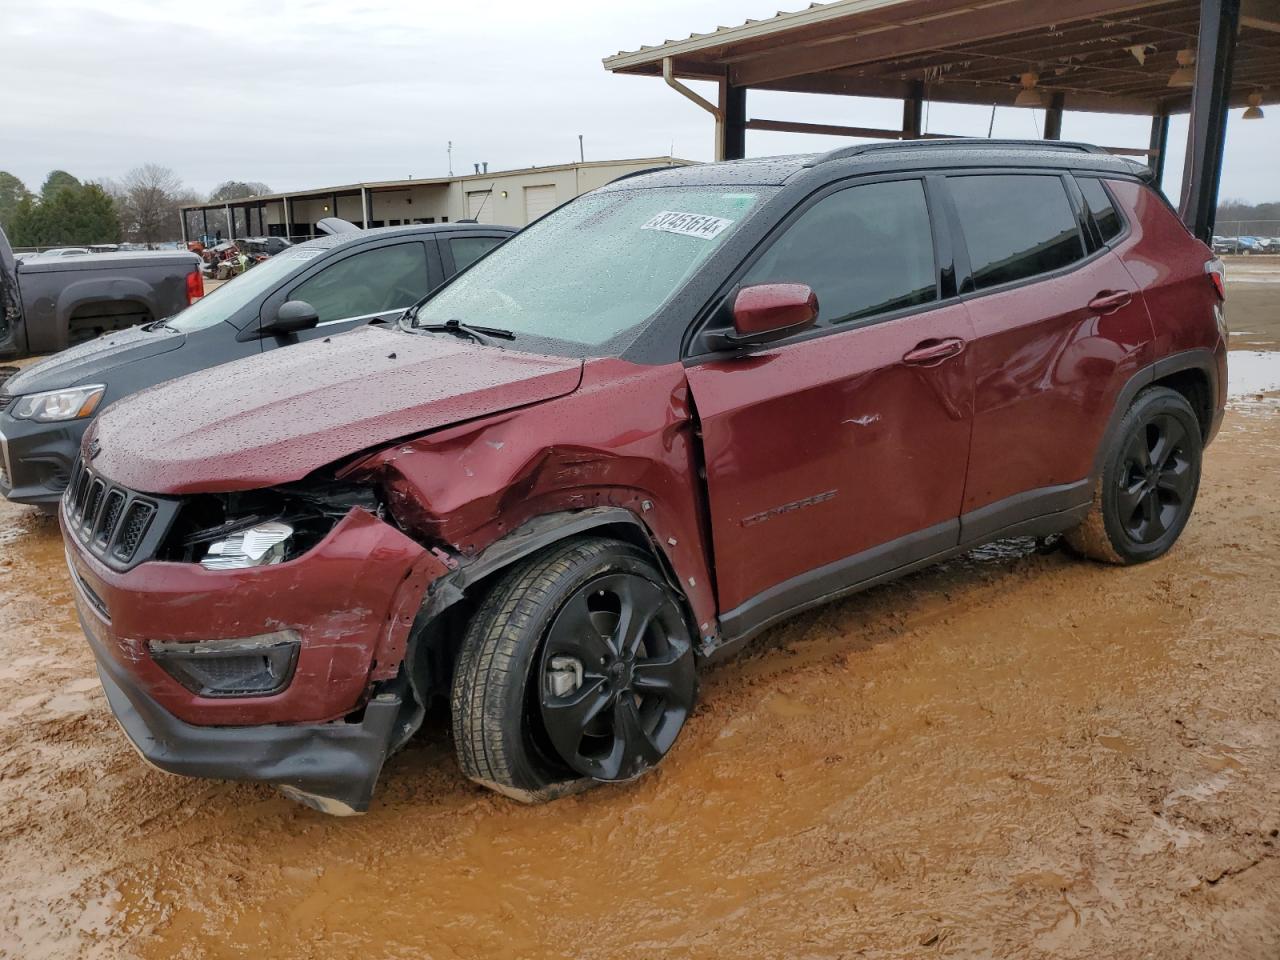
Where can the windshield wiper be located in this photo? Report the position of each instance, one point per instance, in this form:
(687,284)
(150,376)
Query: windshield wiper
(460,329)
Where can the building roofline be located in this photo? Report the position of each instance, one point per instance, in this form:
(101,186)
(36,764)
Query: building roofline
(350,188)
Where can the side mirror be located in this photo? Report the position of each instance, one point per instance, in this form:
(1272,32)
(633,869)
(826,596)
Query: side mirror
(293,315)
(771,311)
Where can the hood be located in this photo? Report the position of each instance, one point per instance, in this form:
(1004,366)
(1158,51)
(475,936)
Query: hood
(89,362)
(275,417)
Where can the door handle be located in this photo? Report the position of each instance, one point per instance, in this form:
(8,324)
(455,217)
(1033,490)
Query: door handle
(930,352)
(1109,301)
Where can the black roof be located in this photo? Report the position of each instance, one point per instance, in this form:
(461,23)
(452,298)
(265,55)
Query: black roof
(889,156)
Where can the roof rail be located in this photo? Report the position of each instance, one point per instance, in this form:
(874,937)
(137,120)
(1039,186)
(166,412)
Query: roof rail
(640,173)
(977,143)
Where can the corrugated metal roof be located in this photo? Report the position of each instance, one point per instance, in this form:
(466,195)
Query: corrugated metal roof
(814,13)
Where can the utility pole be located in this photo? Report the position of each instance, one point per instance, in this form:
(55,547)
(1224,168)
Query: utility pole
(451,158)
(582,157)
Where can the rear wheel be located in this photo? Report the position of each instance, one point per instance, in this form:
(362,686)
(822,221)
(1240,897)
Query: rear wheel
(1149,482)
(578,666)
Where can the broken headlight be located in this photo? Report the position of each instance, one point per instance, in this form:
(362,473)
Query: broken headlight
(257,528)
(256,546)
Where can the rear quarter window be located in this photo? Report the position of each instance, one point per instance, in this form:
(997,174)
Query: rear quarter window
(1015,226)
(1105,215)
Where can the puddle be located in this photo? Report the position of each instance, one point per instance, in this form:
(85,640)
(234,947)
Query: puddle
(1252,372)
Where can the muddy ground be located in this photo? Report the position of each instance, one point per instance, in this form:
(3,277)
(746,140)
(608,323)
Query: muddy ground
(1017,754)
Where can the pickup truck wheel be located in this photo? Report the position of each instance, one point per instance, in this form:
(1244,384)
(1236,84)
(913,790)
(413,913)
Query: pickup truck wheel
(577,667)
(1149,482)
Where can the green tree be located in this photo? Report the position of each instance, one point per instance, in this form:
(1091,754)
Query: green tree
(12,192)
(55,181)
(73,216)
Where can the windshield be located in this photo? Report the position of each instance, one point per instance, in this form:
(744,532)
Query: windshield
(590,274)
(240,291)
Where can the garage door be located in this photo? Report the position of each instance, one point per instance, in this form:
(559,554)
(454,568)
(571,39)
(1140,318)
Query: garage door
(480,206)
(538,200)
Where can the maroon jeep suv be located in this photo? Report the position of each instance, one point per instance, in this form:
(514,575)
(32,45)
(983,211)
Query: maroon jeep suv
(667,415)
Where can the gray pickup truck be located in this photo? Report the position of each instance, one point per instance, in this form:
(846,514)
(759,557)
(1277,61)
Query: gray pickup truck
(50,303)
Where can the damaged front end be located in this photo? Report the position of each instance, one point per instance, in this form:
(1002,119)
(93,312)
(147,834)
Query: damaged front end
(255,636)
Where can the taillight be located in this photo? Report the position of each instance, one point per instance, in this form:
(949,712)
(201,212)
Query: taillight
(195,286)
(1217,272)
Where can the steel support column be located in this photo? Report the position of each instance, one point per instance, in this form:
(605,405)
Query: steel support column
(913,112)
(182,216)
(1159,144)
(1053,117)
(204,218)
(733,101)
(288,227)
(365,212)
(231,224)
(1207,133)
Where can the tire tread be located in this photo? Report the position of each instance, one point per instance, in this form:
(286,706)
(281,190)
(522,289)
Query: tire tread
(484,678)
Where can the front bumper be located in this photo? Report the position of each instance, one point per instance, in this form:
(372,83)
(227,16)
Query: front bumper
(351,599)
(330,766)
(36,458)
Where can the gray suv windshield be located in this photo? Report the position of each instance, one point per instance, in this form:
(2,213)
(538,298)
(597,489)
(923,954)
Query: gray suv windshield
(240,291)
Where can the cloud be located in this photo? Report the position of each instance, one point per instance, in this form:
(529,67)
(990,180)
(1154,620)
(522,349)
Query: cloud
(307,93)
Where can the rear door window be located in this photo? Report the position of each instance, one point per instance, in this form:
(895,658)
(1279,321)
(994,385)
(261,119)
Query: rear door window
(1105,215)
(864,251)
(467,250)
(369,283)
(1015,226)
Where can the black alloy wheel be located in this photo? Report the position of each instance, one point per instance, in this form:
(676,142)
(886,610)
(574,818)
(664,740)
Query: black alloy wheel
(1150,478)
(617,677)
(1156,481)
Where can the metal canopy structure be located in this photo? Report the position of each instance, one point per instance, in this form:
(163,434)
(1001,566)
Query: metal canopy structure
(1110,56)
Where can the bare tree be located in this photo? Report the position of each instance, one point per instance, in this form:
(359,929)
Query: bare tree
(238,190)
(147,198)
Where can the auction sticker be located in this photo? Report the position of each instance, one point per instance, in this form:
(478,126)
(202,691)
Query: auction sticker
(701,225)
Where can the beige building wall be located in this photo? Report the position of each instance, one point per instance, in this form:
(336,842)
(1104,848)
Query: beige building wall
(511,197)
(508,202)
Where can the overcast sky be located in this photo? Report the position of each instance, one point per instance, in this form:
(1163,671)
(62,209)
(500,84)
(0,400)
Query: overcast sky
(309,93)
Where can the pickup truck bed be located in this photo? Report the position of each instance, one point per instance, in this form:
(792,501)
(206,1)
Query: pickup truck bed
(48,304)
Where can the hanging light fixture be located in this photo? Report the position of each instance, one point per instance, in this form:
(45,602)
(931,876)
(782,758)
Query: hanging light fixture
(1029,96)
(1185,75)
(1254,112)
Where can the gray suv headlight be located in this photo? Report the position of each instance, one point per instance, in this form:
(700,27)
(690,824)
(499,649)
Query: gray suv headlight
(73,403)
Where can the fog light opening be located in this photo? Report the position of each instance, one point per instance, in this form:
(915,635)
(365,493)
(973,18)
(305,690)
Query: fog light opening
(247,667)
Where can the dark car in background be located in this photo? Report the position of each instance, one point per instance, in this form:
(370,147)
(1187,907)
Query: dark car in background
(312,290)
(264,246)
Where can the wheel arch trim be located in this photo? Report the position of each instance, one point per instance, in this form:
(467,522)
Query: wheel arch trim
(1200,359)
(529,538)
(537,534)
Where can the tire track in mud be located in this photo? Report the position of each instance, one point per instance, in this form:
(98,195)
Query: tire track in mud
(1014,754)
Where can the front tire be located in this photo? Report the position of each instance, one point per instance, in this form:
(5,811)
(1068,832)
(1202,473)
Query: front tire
(1150,478)
(577,667)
